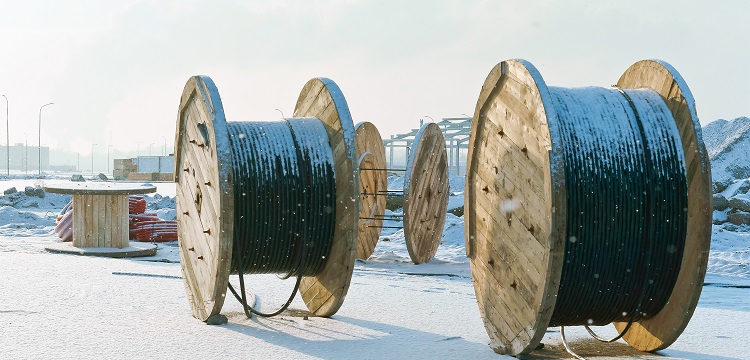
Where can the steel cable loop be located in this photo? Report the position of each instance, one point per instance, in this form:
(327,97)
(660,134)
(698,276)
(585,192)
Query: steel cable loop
(626,199)
(284,186)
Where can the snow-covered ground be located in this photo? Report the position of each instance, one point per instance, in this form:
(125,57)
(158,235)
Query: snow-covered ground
(66,306)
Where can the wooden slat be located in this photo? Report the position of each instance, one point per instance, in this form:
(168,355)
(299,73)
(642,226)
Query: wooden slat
(79,238)
(110,234)
(88,221)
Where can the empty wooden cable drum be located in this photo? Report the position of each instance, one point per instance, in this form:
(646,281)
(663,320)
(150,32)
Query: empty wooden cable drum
(587,206)
(266,197)
(373,187)
(425,191)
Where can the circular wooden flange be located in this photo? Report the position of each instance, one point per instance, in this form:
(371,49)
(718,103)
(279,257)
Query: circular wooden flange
(661,330)
(515,207)
(370,156)
(205,196)
(324,293)
(134,250)
(425,193)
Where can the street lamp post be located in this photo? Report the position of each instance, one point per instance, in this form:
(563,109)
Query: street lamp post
(280,112)
(40,136)
(108,148)
(7,134)
(164,152)
(92,158)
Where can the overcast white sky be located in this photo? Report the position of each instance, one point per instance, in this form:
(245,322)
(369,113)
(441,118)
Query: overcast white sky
(115,69)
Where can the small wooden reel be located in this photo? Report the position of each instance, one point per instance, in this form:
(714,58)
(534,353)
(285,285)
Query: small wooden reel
(373,185)
(425,193)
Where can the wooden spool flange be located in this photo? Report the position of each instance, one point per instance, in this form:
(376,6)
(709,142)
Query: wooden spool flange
(205,196)
(372,181)
(425,193)
(515,202)
(661,330)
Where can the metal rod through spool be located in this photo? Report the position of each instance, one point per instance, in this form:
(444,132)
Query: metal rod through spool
(525,192)
(383,218)
(210,207)
(381,193)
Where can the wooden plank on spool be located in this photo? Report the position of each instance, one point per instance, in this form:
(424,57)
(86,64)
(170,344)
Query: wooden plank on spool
(204,212)
(324,293)
(661,330)
(512,175)
(78,225)
(99,226)
(108,235)
(425,189)
(371,155)
(115,204)
(123,222)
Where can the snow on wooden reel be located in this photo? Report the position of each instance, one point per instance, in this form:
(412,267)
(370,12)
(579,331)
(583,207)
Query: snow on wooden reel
(525,206)
(373,186)
(213,173)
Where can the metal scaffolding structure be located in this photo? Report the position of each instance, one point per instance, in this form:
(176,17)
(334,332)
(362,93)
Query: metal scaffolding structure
(456,131)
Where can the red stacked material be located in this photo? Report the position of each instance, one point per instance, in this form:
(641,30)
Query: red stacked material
(136,218)
(64,224)
(143,226)
(136,204)
(155,231)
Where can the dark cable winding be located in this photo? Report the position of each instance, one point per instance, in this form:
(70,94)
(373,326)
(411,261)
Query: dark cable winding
(626,200)
(284,201)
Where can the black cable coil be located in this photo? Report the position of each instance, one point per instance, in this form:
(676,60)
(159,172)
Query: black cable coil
(627,205)
(284,198)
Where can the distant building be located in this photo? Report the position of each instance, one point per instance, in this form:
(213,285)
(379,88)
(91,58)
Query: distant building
(24,158)
(156,168)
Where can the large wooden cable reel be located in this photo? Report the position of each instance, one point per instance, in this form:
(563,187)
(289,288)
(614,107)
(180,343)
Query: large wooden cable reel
(205,196)
(516,206)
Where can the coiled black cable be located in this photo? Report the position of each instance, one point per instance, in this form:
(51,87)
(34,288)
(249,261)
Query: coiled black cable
(626,188)
(284,200)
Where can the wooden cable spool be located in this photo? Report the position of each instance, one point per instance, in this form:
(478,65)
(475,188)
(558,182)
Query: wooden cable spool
(373,184)
(425,193)
(206,199)
(516,206)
